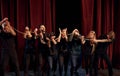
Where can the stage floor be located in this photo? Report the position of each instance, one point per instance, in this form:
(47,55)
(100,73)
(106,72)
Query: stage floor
(80,71)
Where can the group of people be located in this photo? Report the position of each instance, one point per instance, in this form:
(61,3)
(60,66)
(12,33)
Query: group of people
(53,51)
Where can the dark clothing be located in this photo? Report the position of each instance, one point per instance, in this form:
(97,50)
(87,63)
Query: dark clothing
(53,49)
(64,56)
(87,49)
(76,54)
(53,57)
(29,53)
(8,51)
(102,46)
(76,46)
(43,48)
(43,51)
(62,46)
(30,45)
(107,60)
(101,52)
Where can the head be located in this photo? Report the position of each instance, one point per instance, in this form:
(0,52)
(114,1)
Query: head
(27,28)
(91,35)
(42,28)
(5,26)
(52,35)
(63,32)
(111,35)
(76,33)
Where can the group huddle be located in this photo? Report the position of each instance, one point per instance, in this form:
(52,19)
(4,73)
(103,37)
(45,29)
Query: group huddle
(53,50)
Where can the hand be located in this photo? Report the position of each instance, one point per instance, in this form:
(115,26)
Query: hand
(93,40)
(5,19)
(75,30)
(47,39)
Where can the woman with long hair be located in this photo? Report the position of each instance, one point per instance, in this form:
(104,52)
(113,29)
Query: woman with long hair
(29,52)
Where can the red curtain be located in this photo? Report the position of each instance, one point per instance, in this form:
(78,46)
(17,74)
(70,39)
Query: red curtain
(31,13)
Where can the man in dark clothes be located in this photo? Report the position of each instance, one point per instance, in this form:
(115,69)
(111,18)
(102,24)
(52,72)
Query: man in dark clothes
(8,51)
(101,51)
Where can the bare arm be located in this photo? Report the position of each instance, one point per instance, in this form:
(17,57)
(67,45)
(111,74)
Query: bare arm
(83,40)
(5,19)
(103,40)
(66,37)
(11,30)
(54,41)
(71,35)
(59,37)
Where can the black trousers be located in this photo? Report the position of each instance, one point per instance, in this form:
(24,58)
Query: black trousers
(89,60)
(63,62)
(105,57)
(29,58)
(7,54)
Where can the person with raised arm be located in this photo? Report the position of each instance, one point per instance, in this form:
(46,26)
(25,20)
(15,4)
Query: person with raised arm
(29,53)
(88,51)
(8,49)
(43,50)
(103,43)
(63,52)
(76,51)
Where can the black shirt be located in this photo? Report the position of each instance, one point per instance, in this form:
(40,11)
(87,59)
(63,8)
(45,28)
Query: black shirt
(101,47)
(7,40)
(87,48)
(76,46)
(63,45)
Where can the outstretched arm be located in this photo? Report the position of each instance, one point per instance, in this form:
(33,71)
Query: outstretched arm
(102,40)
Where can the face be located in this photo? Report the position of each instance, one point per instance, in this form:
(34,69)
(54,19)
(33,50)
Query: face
(42,28)
(91,35)
(5,27)
(26,28)
(63,33)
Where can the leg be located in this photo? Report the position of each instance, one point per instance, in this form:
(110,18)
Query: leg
(91,64)
(73,64)
(95,62)
(40,61)
(50,59)
(105,56)
(4,61)
(61,61)
(14,58)
(79,61)
(66,61)
(86,64)
(54,63)
(27,63)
